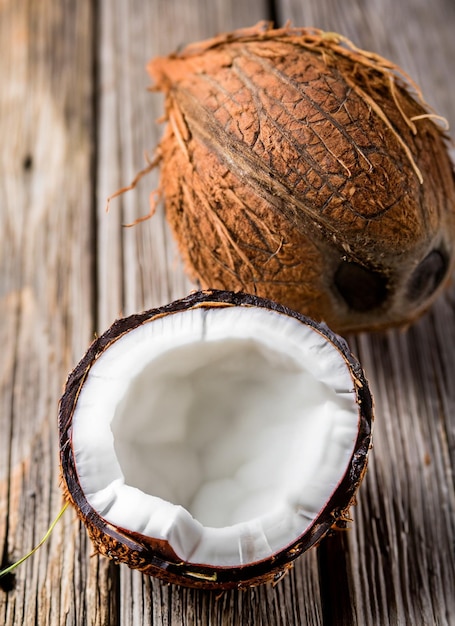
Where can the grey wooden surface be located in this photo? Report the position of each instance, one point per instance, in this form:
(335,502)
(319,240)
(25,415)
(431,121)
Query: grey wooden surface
(75,120)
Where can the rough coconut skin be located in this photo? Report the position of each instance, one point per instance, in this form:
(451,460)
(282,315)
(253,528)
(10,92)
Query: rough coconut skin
(302,169)
(156,557)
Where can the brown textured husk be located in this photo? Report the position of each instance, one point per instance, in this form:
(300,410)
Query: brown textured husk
(156,558)
(289,150)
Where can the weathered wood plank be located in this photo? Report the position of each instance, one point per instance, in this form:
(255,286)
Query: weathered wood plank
(404,522)
(45,292)
(145,262)
(399,558)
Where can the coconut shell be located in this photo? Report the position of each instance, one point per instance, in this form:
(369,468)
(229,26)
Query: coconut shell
(299,168)
(157,558)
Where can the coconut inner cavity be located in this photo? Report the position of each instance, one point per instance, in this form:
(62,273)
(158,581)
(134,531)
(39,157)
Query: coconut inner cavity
(223,431)
(212,426)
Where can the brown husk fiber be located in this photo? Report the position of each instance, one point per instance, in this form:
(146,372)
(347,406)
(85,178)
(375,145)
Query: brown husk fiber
(288,151)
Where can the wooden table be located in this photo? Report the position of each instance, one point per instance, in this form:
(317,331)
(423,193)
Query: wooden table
(75,120)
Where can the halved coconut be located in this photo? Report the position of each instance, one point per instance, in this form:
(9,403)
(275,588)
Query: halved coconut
(211,441)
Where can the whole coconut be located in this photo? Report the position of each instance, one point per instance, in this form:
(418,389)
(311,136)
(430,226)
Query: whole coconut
(299,168)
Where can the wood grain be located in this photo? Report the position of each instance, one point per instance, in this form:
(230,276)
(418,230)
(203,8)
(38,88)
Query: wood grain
(75,121)
(46,294)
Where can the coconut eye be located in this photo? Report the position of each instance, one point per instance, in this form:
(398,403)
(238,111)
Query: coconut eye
(427,276)
(361,288)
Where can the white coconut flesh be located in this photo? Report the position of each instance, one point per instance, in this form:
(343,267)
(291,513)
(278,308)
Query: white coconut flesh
(223,431)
